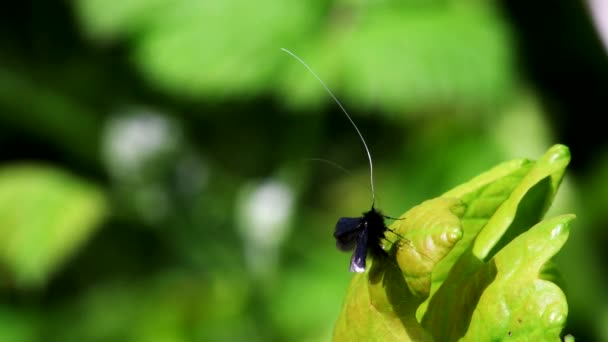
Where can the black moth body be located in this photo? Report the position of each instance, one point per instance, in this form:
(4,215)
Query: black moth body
(364,234)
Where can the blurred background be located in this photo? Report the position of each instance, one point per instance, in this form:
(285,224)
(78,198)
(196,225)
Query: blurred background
(168,174)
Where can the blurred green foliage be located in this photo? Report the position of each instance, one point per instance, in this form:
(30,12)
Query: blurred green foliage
(156,179)
(388,55)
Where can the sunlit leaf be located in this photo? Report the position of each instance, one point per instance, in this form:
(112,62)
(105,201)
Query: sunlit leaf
(381,54)
(45,215)
(462,250)
(414,57)
(380,305)
(203,48)
(517,302)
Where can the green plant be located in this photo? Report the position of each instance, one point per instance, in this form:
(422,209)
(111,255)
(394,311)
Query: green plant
(475,264)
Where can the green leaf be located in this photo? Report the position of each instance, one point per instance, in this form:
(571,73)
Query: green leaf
(379,53)
(463,255)
(189,48)
(381,304)
(45,214)
(390,62)
(517,303)
(482,196)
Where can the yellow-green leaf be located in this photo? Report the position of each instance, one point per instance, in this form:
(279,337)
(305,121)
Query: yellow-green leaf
(474,263)
(518,303)
(45,214)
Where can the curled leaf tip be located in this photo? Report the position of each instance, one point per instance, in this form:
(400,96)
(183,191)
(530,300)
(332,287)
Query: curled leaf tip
(558,230)
(557,152)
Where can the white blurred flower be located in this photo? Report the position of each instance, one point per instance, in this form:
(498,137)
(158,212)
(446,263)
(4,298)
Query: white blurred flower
(264,213)
(133,138)
(138,148)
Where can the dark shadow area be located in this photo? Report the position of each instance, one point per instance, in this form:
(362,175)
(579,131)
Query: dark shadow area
(562,55)
(386,273)
(468,279)
(530,211)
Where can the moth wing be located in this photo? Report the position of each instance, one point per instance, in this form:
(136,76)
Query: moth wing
(347,224)
(347,232)
(357,261)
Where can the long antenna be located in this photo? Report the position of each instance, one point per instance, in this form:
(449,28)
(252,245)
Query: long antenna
(369,155)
